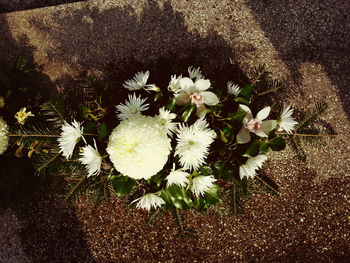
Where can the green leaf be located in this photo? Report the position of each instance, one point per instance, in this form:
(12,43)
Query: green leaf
(210,198)
(158,96)
(84,111)
(277,144)
(246,91)
(206,170)
(264,148)
(103,131)
(187,114)
(89,127)
(238,115)
(253,150)
(171,104)
(122,185)
(177,196)
(242,100)
(223,136)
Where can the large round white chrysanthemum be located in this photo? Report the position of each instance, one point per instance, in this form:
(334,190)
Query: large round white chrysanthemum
(3,136)
(139,146)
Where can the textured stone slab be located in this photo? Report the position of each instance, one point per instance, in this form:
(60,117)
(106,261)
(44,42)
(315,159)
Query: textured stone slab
(17,5)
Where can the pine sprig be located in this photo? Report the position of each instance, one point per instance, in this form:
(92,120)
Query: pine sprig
(53,109)
(78,189)
(311,135)
(22,136)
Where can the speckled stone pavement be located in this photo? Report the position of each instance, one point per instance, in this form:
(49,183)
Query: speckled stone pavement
(302,42)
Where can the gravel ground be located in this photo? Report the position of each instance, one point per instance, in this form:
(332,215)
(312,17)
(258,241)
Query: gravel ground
(305,47)
(16,5)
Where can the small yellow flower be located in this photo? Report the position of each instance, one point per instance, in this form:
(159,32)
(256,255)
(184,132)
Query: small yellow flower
(22,115)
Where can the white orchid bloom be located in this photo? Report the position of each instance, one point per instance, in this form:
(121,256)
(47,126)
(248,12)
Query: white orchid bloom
(255,125)
(197,93)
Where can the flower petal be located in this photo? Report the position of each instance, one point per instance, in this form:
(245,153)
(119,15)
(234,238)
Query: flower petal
(267,126)
(182,98)
(243,136)
(262,115)
(201,111)
(202,84)
(249,114)
(261,133)
(185,83)
(209,98)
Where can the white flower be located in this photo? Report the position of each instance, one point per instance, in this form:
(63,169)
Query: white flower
(69,137)
(252,164)
(233,88)
(201,184)
(255,125)
(3,136)
(152,87)
(174,84)
(177,177)
(197,94)
(148,201)
(138,82)
(166,118)
(286,121)
(91,158)
(22,115)
(135,105)
(195,73)
(139,146)
(193,144)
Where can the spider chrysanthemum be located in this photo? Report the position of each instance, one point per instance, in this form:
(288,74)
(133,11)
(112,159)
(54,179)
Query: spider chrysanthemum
(69,137)
(139,146)
(286,121)
(91,158)
(148,201)
(201,184)
(139,81)
(193,144)
(135,105)
(252,164)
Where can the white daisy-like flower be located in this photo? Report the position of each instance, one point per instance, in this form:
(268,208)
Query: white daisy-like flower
(177,177)
(201,184)
(195,73)
(92,160)
(69,137)
(135,105)
(193,144)
(148,201)
(152,87)
(233,89)
(166,118)
(174,84)
(4,140)
(252,164)
(138,82)
(197,93)
(139,146)
(286,121)
(255,125)
(22,115)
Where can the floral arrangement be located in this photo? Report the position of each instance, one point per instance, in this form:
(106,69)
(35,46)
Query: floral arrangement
(177,150)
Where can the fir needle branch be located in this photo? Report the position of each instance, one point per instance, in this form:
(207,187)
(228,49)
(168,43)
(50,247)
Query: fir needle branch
(54,108)
(34,135)
(306,134)
(179,220)
(48,162)
(261,180)
(317,112)
(234,199)
(269,91)
(74,188)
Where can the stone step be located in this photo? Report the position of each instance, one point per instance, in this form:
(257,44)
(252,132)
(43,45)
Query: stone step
(18,5)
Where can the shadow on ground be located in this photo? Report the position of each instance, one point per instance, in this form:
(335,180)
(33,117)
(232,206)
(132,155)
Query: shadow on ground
(310,31)
(18,5)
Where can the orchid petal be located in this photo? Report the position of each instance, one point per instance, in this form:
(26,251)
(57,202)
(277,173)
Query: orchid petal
(182,98)
(209,98)
(261,133)
(202,84)
(267,126)
(201,111)
(243,136)
(262,115)
(185,83)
